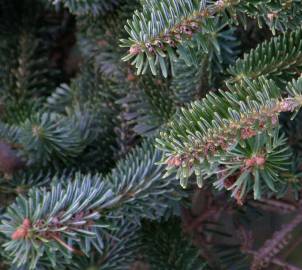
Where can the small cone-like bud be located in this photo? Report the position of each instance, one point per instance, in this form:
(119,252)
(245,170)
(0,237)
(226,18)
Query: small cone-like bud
(22,231)
(260,161)
(135,50)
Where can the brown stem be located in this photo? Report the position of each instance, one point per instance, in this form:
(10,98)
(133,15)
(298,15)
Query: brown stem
(272,246)
(276,261)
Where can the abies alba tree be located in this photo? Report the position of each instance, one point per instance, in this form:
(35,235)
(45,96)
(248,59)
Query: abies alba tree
(150,134)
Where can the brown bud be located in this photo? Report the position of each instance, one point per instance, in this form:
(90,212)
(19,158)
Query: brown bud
(169,41)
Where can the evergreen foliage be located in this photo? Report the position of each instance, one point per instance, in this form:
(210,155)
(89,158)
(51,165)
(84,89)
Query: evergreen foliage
(280,55)
(82,209)
(151,134)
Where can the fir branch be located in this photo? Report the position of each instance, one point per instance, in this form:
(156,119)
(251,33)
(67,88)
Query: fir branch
(46,137)
(120,249)
(190,83)
(71,218)
(89,103)
(27,77)
(279,58)
(208,128)
(143,183)
(21,182)
(259,165)
(166,29)
(160,28)
(98,40)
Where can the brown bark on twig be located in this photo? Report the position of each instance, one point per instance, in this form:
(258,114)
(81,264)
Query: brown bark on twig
(266,254)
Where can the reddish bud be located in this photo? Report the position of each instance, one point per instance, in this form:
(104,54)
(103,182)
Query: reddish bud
(131,77)
(26,223)
(174,161)
(247,133)
(288,105)
(257,160)
(135,49)
(250,162)
(260,161)
(22,231)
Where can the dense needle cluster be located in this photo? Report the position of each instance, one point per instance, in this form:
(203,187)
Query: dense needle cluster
(150,134)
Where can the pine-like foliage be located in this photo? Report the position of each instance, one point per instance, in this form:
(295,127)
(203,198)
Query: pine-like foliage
(54,221)
(199,138)
(150,134)
(280,55)
(164,28)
